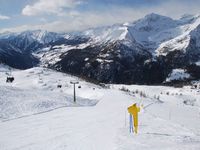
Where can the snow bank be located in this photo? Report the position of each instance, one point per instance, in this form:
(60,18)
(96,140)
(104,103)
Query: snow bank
(15,102)
(198,63)
(35,91)
(178,74)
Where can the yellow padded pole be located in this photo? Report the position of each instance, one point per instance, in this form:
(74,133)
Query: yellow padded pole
(133,110)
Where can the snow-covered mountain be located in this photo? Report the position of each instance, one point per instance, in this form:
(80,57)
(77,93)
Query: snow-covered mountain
(144,51)
(154,32)
(141,31)
(16,48)
(41,36)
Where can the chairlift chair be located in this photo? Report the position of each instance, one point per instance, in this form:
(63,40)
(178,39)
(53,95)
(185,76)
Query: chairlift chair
(10,79)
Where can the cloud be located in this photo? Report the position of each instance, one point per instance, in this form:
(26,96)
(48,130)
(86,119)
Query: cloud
(49,7)
(76,20)
(2,17)
(177,8)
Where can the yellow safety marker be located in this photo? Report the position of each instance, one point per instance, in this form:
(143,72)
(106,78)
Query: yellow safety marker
(133,110)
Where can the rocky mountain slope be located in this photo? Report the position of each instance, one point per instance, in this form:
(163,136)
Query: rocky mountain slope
(142,52)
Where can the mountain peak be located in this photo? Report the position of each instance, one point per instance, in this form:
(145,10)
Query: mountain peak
(152,15)
(189,18)
(154,20)
(155,17)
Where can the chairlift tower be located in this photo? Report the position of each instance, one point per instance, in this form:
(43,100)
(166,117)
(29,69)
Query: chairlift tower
(74,83)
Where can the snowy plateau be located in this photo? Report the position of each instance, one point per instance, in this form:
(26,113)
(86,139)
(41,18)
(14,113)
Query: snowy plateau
(37,111)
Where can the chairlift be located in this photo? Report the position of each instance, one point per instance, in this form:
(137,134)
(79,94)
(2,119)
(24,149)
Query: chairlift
(10,79)
(59,86)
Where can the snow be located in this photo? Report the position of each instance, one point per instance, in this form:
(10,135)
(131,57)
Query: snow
(159,34)
(180,43)
(40,36)
(52,55)
(86,59)
(99,60)
(180,38)
(38,94)
(198,63)
(152,28)
(4,68)
(17,102)
(178,74)
(105,34)
(38,115)
(104,60)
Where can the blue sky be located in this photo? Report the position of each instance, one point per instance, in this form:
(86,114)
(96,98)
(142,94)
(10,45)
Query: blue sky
(72,15)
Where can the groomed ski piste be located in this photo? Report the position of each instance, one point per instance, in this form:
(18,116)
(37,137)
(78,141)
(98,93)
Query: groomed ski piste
(37,115)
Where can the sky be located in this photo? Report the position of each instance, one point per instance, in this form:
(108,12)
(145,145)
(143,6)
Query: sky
(77,15)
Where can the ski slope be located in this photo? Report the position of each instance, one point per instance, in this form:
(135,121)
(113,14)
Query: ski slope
(100,119)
